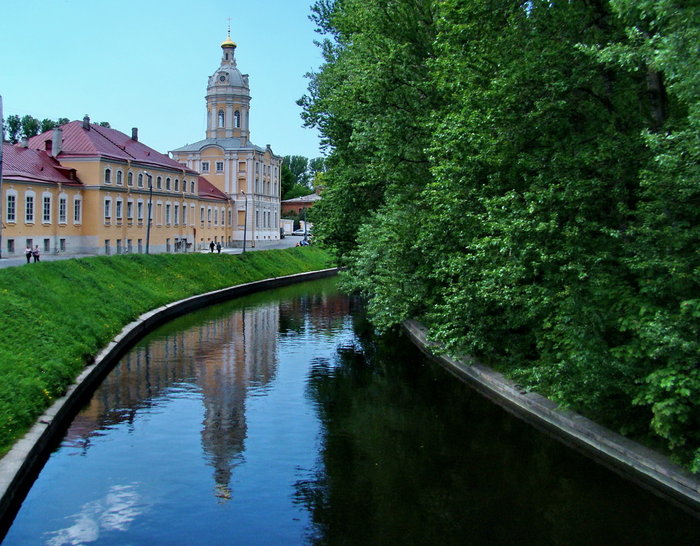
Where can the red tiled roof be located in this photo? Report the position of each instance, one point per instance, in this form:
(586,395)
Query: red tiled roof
(207,190)
(19,163)
(104,142)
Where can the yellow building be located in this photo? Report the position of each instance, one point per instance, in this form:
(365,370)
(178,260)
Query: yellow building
(87,189)
(249,175)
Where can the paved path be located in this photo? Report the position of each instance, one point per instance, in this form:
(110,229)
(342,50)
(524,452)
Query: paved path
(287,242)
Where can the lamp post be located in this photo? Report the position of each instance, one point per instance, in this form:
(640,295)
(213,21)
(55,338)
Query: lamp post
(150,202)
(245,220)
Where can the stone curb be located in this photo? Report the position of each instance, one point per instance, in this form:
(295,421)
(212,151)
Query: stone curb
(20,466)
(633,461)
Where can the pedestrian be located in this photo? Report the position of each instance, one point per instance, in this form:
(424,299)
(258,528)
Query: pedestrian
(28,253)
(36,253)
(218,247)
(211,246)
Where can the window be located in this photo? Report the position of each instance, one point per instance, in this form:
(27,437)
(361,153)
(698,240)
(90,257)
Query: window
(108,209)
(130,210)
(177,185)
(205,166)
(130,178)
(77,210)
(230,217)
(176,214)
(219,166)
(119,209)
(167,214)
(11,215)
(62,210)
(216,217)
(129,246)
(47,245)
(184,214)
(119,246)
(209,215)
(139,243)
(62,245)
(201,214)
(221,118)
(120,182)
(46,209)
(223,213)
(29,208)
(192,187)
(159,214)
(108,176)
(139,211)
(140,181)
(236,119)
(167,183)
(159,183)
(10,246)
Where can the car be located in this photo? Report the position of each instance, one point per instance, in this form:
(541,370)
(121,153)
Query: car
(298,232)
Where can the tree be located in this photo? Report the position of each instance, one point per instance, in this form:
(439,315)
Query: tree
(14,128)
(30,126)
(47,125)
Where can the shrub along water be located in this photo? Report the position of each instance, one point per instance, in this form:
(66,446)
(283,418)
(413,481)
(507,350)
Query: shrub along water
(58,315)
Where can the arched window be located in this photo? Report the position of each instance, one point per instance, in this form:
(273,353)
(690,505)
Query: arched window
(221,118)
(108,176)
(237,119)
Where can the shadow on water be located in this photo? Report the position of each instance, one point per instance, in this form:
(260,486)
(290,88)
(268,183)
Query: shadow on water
(412,456)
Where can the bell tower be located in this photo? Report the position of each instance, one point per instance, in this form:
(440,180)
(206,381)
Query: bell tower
(228,98)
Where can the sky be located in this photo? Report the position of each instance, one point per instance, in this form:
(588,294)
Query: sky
(146,64)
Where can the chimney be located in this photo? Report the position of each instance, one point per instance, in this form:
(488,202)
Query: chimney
(86,122)
(24,142)
(135,134)
(57,141)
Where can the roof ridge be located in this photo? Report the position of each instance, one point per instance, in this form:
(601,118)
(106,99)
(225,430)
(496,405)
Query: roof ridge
(122,148)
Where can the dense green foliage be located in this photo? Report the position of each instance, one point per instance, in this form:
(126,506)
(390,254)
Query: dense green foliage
(525,177)
(58,315)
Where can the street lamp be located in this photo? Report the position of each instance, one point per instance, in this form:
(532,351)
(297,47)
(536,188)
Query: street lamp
(150,203)
(245,220)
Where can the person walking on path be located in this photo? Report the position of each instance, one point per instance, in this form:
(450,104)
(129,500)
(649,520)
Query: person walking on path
(218,248)
(36,253)
(28,253)
(211,246)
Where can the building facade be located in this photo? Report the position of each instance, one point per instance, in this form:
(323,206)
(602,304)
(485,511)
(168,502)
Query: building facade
(87,189)
(247,174)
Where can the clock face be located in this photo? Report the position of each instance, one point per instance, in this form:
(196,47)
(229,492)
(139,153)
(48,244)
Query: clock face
(222,78)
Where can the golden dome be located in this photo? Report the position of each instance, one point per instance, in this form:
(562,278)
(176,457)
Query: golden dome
(228,42)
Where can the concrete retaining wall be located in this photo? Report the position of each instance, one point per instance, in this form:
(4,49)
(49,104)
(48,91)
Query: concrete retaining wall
(19,468)
(630,459)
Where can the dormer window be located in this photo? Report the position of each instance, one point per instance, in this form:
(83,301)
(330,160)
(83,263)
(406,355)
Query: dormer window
(221,118)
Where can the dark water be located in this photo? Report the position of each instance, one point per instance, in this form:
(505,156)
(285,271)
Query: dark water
(282,419)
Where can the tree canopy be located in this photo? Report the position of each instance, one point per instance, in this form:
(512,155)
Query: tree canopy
(525,180)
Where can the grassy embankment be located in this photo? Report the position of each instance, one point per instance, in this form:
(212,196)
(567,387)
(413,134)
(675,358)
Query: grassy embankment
(56,316)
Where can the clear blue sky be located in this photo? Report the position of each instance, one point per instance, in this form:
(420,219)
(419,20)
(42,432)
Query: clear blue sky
(145,64)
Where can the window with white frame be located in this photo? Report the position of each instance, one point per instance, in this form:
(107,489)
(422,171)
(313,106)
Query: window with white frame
(46,209)
(205,166)
(237,119)
(62,209)
(29,207)
(167,214)
(167,183)
(77,210)
(11,210)
(209,214)
(192,187)
(219,166)
(176,186)
(140,180)
(139,210)
(176,214)
(129,210)
(108,209)
(130,179)
(216,217)
(119,178)
(221,118)
(119,211)
(201,214)
(223,217)
(159,183)
(108,176)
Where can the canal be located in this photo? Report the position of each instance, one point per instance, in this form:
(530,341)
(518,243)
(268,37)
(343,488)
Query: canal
(281,418)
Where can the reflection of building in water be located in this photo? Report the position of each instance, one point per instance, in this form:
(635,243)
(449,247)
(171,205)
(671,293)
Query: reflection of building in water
(220,359)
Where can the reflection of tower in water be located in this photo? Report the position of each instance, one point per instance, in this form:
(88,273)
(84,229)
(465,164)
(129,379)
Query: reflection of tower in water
(240,358)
